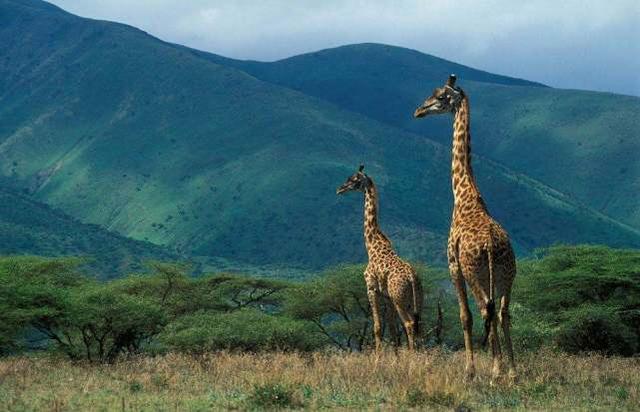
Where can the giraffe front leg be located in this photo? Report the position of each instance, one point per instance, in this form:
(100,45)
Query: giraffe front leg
(374,301)
(465,319)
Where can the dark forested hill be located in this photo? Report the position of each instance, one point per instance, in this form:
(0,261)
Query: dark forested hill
(240,160)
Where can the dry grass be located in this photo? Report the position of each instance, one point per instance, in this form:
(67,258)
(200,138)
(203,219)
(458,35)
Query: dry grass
(427,380)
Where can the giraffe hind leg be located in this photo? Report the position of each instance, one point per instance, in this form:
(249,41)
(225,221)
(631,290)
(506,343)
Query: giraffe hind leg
(409,325)
(505,322)
(391,321)
(496,352)
(488,311)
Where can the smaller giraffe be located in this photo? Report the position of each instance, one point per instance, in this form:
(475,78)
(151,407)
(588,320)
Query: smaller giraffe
(387,276)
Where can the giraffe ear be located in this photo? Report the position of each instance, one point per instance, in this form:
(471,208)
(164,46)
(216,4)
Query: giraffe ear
(452,80)
(361,168)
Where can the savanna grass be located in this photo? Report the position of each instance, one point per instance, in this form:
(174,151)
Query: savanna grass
(430,380)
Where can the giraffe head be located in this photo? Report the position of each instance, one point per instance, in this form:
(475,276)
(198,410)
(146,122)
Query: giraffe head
(356,182)
(445,99)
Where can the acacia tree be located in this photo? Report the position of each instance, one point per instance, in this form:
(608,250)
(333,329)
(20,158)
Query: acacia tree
(336,303)
(33,300)
(246,329)
(108,322)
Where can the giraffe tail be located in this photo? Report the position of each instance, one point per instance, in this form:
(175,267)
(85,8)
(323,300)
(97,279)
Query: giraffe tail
(491,304)
(417,305)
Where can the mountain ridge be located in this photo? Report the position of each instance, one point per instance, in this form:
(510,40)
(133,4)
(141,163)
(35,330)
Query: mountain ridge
(452,67)
(546,119)
(149,139)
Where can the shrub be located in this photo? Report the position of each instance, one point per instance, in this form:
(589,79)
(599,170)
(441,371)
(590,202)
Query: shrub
(596,329)
(271,396)
(416,397)
(245,329)
(582,298)
(135,387)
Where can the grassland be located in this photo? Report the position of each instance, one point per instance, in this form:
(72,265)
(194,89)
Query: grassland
(216,381)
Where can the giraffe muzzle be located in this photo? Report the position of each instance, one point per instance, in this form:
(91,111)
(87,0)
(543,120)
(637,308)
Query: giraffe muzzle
(420,112)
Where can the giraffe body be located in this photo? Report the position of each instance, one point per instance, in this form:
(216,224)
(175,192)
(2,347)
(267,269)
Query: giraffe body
(387,276)
(479,250)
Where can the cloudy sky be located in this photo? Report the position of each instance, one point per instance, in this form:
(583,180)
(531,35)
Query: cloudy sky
(581,44)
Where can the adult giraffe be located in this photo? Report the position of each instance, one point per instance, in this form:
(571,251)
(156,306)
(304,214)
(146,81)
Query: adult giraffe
(479,250)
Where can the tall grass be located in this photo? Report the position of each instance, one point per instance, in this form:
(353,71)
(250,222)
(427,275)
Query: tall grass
(426,380)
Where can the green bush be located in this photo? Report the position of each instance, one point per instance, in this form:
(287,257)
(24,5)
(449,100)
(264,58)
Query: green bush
(271,396)
(244,329)
(581,298)
(416,397)
(46,303)
(530,330)
(584,298)
(596,329)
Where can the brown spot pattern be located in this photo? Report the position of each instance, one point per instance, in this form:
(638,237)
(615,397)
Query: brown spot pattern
(388,276)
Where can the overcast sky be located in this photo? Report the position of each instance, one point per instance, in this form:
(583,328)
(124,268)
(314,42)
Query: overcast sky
(582,44)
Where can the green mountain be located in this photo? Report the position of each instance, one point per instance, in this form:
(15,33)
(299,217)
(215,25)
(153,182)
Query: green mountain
(29,227)
(581,143)
(214,157)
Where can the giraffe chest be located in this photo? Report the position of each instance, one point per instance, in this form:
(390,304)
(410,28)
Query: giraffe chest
(382,268)
(389,268)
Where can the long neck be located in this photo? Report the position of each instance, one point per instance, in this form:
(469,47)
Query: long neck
(371,227)
(462,179)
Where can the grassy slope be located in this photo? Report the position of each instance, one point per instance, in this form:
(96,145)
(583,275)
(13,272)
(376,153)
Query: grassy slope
(159,143)
(582,143)
(430,380)
(29,227)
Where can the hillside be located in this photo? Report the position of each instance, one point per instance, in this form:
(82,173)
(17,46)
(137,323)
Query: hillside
(29,227)
(581,143)
(184,149)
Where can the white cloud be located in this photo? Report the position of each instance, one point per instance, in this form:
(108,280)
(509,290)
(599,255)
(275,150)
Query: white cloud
(574,44)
